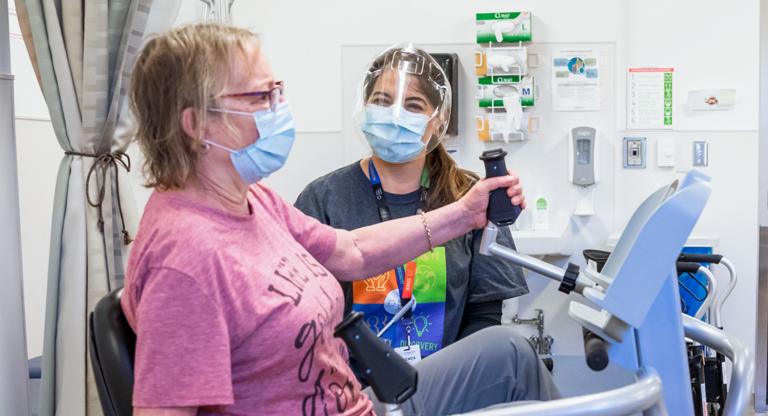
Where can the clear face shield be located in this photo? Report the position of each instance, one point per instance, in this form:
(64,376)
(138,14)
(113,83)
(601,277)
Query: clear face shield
(404,104)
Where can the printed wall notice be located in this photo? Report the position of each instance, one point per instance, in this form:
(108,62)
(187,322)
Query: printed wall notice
(649,98)
(575,80)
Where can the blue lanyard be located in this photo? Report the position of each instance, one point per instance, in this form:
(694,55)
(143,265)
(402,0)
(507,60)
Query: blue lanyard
(385,214)
(378,192)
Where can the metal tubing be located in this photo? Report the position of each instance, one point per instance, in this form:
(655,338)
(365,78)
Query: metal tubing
(527,262)
(711,293)
(392,410)
(642,395)
(489,246)
(732,280)
(743,371)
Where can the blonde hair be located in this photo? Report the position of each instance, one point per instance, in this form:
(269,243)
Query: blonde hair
(186,67)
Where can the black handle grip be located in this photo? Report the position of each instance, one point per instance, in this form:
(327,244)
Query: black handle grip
(600,257)
(500,208)
(700,258)
(595,351)
(687,267)
(389,375)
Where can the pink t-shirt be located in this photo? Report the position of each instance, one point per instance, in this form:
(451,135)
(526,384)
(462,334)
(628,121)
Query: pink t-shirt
(235,314)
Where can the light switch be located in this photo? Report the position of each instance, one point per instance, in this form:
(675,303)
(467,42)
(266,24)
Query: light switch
(665,153)
(700,154)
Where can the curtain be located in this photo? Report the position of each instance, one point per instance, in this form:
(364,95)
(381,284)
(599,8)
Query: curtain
(83,52)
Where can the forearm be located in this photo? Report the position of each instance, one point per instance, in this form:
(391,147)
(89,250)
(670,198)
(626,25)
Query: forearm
(164,411)
(372,250)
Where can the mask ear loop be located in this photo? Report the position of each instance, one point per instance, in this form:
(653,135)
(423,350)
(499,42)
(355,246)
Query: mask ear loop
(225,148)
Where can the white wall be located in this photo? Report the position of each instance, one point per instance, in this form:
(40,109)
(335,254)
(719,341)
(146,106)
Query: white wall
(763,147)
(725,55)
(651,33)
(709,45)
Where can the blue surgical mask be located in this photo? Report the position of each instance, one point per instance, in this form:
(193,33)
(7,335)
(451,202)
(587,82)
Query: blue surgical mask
(394,133)
(270,150)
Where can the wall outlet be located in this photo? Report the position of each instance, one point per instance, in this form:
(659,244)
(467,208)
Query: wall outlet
(700,154)
(634,152)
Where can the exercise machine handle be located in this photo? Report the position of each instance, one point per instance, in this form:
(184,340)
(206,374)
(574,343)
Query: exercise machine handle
(595,351)
(700,258)
(389,375)
(500,209)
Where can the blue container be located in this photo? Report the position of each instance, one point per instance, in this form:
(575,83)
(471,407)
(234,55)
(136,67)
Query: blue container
(693,287)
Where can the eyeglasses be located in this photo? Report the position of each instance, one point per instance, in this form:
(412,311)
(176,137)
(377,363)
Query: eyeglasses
(260,97)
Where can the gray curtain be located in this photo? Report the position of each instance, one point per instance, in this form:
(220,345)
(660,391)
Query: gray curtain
(83,52)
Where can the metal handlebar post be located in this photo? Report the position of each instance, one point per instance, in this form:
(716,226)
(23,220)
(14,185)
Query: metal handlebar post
(742,375)
(391,409)
(488,246)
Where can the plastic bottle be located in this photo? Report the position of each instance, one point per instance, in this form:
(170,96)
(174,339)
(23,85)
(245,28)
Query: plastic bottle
(540,213)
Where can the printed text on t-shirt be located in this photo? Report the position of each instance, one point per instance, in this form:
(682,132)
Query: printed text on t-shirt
(295,282)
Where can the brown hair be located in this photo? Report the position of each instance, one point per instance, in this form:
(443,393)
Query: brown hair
(448,182)
(186,67)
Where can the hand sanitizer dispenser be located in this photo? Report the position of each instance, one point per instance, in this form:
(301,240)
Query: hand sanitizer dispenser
(582,167)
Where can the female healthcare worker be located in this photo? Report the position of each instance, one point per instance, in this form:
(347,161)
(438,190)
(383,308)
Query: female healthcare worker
(232,292)
(403,111)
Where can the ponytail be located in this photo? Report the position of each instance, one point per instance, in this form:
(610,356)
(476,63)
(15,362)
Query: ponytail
(448,182)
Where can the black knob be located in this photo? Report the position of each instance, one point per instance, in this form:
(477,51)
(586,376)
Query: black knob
(595,351)
(500,208)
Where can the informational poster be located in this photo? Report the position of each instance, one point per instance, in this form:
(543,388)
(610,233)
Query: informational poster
(575,80)
(649,98)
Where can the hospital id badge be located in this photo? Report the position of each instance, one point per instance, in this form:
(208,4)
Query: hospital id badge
(411,354)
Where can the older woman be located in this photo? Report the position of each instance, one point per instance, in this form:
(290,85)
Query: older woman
(232,292)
